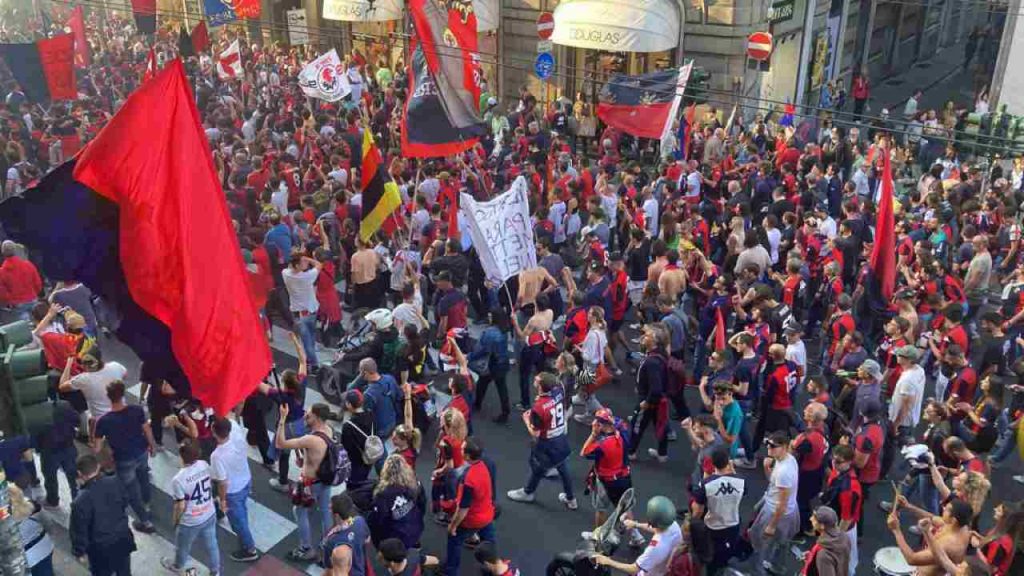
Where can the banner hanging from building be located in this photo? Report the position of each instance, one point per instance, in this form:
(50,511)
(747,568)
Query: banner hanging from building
(501,232)
(362,10)
(219,12)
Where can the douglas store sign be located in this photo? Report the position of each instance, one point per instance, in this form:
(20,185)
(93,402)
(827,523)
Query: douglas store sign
(604,38)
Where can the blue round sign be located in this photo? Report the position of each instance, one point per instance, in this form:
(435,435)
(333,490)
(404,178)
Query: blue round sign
(544,66)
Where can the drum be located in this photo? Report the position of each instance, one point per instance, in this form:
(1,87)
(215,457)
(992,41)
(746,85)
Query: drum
(889,562)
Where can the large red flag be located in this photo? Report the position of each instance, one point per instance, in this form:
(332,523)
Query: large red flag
(200,37)
(883,253)
(719,330)
(179,253)
(57,57)
(151,67)
(77,25)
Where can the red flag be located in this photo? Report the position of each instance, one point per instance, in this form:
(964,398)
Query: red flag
(57,57)
(145,15)
(247,9)
(180,256)
(200,37)
(151,67)
(77,25)
(719,330)
(691,114)
(883,253)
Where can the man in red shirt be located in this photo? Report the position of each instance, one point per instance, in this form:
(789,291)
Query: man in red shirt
(474,494)
(843,494)
(780,376)
(610,476)
(547,424)
(20,283)
(809,449)
(868,443)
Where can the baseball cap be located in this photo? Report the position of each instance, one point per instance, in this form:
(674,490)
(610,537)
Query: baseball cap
(604,415)
(872,368)
(793,328)
(908,352)
(586,231)
(826,517)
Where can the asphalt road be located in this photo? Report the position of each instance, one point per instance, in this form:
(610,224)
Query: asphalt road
(530,534)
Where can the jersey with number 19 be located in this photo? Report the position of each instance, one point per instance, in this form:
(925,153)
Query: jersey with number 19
(549,418)
(192,484)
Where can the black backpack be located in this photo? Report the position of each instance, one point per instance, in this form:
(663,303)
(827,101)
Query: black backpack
(335,468)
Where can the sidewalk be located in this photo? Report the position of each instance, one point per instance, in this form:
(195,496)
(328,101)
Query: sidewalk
(939,79)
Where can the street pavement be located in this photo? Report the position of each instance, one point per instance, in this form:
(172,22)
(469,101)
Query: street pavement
(530,534)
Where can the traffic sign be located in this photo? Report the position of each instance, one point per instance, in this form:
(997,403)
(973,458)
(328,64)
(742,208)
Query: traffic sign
(759,46)
(545,25)
(545,46)
(544,66)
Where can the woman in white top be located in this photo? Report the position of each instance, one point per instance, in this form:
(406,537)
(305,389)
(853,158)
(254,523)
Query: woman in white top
(594,351)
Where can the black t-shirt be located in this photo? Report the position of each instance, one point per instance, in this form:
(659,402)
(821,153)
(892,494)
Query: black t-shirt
(988,351)
(638,260)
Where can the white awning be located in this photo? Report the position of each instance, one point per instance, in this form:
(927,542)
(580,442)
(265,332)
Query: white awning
(618,25)
(487,14)
(362,10)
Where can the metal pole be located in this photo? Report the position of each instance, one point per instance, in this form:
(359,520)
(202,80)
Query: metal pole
(12,554)
(805,53)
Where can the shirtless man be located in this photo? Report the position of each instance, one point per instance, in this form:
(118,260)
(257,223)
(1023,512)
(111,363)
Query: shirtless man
(531,283)
(658,253)
(951,533)
(314,447)
(672,280)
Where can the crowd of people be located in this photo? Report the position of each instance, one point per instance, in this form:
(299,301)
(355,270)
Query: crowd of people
(726,277)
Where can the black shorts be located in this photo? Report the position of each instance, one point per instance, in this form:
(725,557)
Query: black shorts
(615,325)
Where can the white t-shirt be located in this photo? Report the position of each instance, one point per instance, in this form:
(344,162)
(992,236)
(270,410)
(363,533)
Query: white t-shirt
(14,180)
(655,558)
(592,348)
(785,474)
(650,208)
(797,354)
(229,462)
(911,383)
(301,288)
(339,175)
(94,386)
(194,486)
(405,313)
(774,239)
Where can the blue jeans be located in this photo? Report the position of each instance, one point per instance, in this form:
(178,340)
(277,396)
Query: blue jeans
(1007,441)
(538,469)
(922,484)
(238,516)
(454,549)
(306,329)
(185,536)
(44,567)
(322,495)
(54,460)
(134,475)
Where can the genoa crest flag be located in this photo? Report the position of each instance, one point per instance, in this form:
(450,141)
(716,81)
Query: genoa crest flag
(644,105)
(45,69)
(426,130)
(139,217)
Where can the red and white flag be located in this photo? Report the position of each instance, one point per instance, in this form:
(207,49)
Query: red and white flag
(229,63)
(151,67)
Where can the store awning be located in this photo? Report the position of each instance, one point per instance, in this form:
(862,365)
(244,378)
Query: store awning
(487,14)
(618,25)
(362,10)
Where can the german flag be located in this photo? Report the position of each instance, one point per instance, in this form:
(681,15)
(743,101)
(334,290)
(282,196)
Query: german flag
(380,193)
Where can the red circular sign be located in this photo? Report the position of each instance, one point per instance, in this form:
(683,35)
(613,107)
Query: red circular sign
(759,46)
(545,25)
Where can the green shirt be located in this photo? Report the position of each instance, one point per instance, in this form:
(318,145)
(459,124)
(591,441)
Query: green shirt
(384,77)
(732,419)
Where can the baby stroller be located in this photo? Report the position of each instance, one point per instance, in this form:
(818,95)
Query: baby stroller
(604,540)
